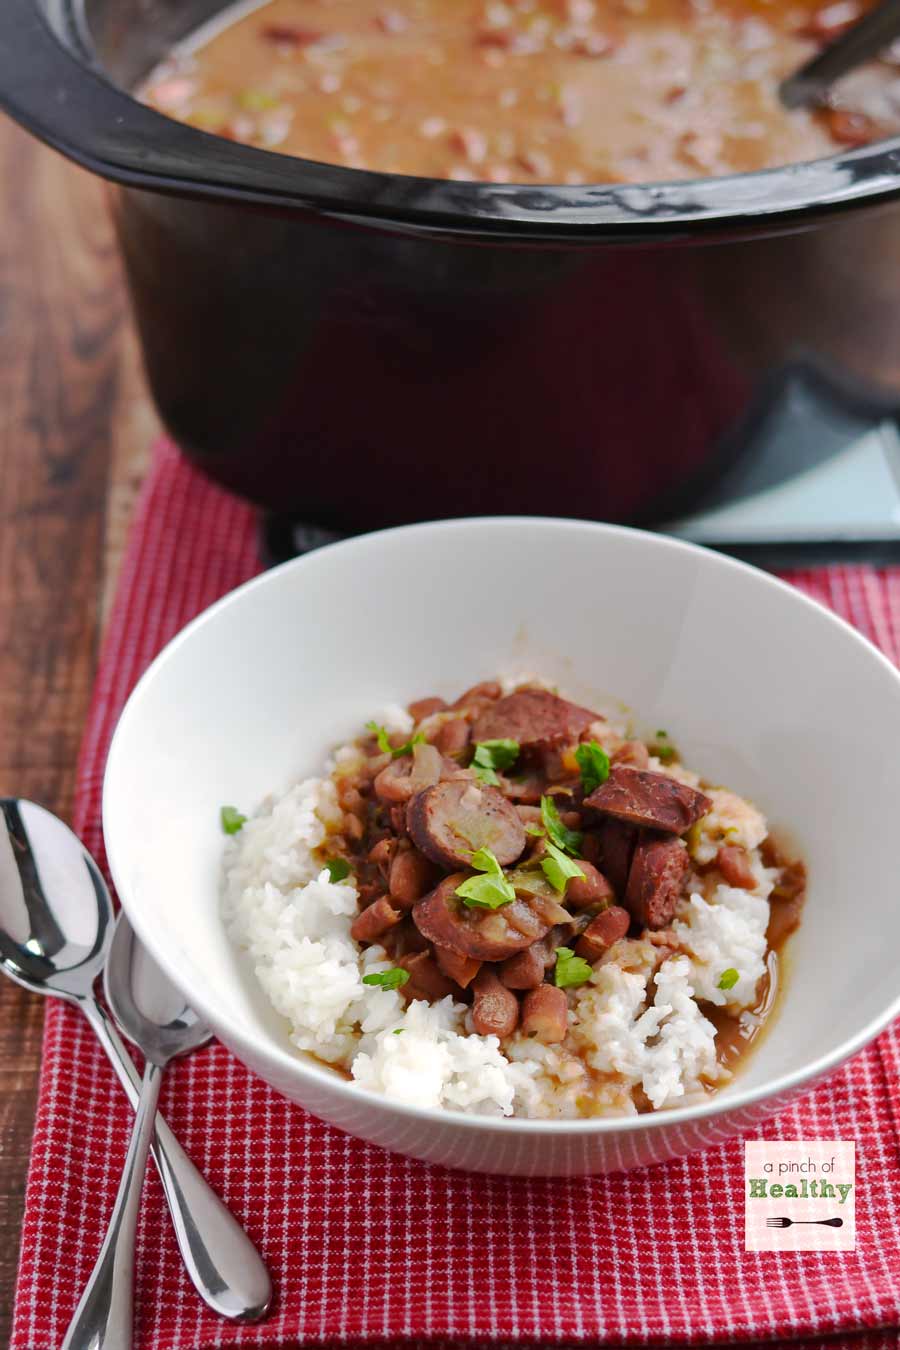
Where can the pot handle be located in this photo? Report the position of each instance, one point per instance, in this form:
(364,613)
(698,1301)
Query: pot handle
(66,101)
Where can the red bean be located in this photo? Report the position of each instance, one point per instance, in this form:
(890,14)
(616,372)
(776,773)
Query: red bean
(495,1011)
(425,980)
(374,920)
(488,689)
(397,816)
(461,969)
(453,737)
(411,875)
(290,35)
(526,970)
(394,782)
(382,853)
(734,864)
(602,932)
(530,815)
(850,128)
(633,753)
(348,795)
(590,849)
(353,828)
(591,889)
(545,1014)
(424,707)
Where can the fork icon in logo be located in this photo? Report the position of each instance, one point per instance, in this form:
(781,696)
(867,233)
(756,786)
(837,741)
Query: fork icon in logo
(787,1223)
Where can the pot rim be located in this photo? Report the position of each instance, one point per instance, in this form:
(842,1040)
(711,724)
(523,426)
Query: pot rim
(51,85)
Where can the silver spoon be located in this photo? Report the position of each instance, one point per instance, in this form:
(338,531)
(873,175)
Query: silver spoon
(154,1015)
(863,41)
(55,931)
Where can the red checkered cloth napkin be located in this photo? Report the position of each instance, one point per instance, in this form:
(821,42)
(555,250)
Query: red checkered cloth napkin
(367,1247)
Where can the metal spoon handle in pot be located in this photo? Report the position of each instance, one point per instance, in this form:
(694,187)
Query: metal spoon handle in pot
(864,40)
(224,1266)
(103,1318)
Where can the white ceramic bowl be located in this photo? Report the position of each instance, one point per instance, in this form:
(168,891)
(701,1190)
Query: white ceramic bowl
(762,690)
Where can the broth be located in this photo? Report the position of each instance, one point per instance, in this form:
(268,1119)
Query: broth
(541,91)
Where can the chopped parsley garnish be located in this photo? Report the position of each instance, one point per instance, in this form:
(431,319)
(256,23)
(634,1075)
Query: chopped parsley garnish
(231,819)
(570,969)
(338,868)
(568,840)
(729,978)
(557,868)
(593,765)
(662,735)
(664,752)
(398,1031)
(493,755)
(537,830)
(489,891)
(387,979)
(384,744)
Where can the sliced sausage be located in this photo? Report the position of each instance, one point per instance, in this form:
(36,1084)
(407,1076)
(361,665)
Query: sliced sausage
(654,882)
(617,842)
(495,1011)
(590,889)
(425,979)
(734,864)
(533,717)
(602,932)
(410,876)
(545,1014)
(425,707)
(485,934)
(450,821)
(374,920)
(650,799)
(526,970)
(461,969)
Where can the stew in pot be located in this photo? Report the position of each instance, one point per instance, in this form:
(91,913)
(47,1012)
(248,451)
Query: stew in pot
(525,91)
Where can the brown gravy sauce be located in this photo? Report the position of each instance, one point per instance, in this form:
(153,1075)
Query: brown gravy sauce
(737,1036)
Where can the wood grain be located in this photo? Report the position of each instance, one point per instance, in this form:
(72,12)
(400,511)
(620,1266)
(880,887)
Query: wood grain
(75,427)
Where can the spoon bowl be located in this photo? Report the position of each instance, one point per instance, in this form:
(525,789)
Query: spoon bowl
(56,915)
(145,1003)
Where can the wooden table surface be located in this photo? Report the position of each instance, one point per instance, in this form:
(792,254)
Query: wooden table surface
(76,425)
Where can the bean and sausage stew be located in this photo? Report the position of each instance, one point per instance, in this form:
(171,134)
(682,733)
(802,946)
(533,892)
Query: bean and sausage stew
(507,847)
(526,91)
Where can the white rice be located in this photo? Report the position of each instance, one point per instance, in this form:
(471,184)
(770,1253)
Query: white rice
(638,1023)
